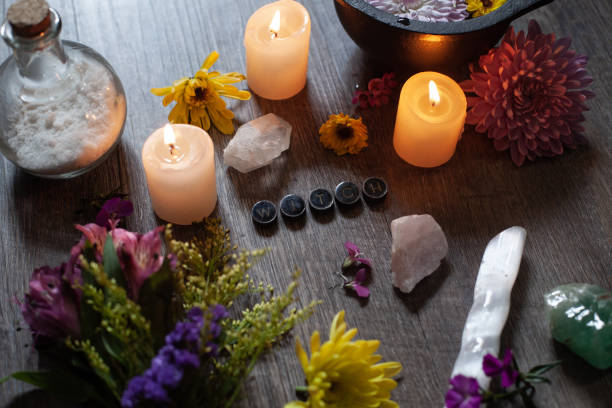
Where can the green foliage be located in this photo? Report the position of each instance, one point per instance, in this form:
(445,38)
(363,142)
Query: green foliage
(123,338)
(120,336)
(211,273)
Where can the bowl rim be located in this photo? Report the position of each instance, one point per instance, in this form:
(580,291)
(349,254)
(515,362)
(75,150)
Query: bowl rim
(510,10)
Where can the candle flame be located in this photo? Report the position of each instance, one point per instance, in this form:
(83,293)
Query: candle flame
(169,136)
(275,24)
(434,95)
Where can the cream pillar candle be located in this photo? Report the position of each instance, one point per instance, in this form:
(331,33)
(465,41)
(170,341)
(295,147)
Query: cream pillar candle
(430,118)
(179,162)
(276,40)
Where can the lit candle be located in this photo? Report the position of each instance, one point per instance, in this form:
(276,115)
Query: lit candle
(276,40)
(179,162)
(430,119)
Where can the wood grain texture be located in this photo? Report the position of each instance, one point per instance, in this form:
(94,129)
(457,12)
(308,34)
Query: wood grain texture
(565,203)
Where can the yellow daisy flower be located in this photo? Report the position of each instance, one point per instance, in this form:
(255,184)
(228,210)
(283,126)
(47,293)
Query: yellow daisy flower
(343,134)
(198,99)
(479,8)
(345,374)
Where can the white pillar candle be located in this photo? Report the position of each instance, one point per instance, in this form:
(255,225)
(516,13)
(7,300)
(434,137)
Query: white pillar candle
(179,162)
(277,37)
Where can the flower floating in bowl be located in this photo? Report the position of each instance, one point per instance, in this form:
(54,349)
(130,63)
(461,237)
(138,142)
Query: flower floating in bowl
(419,37)
(424,10)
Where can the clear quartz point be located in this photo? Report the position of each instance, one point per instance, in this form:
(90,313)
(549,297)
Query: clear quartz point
(257,143)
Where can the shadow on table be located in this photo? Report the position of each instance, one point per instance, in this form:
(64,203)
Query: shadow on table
(425,289)
(45,210)
(37,399)
(576,368)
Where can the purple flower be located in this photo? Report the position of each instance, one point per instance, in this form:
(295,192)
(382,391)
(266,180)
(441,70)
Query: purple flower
(464,393)
(357,284)
(219,312)
(494,367)
(112,211)
(142,388)
(51,306)
(355,257)
(167,370)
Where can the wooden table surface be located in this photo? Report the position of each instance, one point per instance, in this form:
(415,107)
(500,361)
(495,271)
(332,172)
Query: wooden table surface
(565,203)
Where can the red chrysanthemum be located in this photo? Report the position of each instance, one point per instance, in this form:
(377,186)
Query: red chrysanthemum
(529,97)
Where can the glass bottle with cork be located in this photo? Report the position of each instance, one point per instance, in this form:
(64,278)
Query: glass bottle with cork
(62,107)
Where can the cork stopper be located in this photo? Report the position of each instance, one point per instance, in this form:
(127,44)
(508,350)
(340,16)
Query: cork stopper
(29,18)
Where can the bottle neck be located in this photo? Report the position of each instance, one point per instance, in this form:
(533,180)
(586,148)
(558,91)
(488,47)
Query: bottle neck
(40,58)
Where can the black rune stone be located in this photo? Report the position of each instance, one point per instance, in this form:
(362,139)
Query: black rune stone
(292,206)
(264,212)
(347,193)
(375,188)
(321,199)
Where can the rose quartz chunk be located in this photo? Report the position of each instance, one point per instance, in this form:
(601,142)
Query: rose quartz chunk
(418,247)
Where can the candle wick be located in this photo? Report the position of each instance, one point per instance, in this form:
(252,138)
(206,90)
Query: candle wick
(274,34)
(172,149)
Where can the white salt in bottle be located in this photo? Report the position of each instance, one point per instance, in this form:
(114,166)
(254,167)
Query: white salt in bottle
(62,107)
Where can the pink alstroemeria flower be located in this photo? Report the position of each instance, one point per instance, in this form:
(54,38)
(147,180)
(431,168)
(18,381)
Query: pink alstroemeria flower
(140,256)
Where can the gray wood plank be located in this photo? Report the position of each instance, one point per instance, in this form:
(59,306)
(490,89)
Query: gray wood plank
(564,203)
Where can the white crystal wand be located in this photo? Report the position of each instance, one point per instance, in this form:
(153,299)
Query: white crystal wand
(487,317)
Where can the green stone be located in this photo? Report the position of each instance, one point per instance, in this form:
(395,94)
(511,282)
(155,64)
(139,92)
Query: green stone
(581,318)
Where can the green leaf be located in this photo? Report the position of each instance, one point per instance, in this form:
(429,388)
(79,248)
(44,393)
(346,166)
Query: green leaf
(155,299)
(112,267)
(5,379)
(64,385)
(113,348)
(90,319)
(535,380)
(541,369)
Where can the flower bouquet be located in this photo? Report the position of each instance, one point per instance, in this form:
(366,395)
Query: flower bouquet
(123,324)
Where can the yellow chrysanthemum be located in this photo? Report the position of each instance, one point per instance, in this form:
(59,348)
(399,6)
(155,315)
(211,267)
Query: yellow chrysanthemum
(345,374)
(344,134)
(479,8)
(198,99)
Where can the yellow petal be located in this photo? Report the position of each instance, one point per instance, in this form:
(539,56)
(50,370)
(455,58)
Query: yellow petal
(161,91)
(210,60)
(390,368)
(296,404)
(233,92)
(222,123)
(168,99)
(178,114)
(230,78)
(315,342)
(337,325)
(301,354)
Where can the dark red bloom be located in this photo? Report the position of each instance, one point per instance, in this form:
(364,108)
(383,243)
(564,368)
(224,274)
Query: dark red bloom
(529,95)
(378,92)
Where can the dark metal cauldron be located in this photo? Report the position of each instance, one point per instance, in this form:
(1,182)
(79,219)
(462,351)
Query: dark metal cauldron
(423,46)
